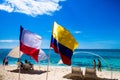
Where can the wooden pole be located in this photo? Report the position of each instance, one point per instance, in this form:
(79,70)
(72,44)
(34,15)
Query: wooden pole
(48,64)
(19,65)
(39,64)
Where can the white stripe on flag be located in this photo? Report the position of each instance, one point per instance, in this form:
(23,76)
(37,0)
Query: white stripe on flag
(31,39)
(42,55)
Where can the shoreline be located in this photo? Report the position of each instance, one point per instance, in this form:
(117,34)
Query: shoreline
(103,69)
(55,73)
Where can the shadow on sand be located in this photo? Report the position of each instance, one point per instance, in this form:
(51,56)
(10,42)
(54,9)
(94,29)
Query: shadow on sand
(28,71)
(69,76)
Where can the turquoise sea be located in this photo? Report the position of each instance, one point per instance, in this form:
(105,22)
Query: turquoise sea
(110,58)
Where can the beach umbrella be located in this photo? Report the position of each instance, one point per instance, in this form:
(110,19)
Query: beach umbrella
(15,52)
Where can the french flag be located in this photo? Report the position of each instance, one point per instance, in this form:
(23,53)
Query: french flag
(30,43)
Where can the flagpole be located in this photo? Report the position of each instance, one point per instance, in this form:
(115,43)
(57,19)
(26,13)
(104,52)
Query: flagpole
(19,51)
(39,64)
(48,63)
(19,65)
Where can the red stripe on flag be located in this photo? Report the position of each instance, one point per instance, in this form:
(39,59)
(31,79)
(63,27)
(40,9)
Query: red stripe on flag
(33,52)
(65,59)
(54,47)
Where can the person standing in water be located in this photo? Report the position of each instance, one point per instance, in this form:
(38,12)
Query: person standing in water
(99,65)
(94,64)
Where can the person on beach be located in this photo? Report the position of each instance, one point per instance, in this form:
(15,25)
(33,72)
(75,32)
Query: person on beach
(32,67)
(99,65)
(5,61)
(94,64)
(20,64)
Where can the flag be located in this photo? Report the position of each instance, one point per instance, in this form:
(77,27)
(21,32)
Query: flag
(63,43)
(42,55)
(15,52)
(30,43)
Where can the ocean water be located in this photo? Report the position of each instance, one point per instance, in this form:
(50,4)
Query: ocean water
(110,58)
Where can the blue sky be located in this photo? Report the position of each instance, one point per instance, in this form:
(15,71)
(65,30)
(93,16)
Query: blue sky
(95,24)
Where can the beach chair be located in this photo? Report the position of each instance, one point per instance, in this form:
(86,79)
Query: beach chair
(18,65)
(76,74)
(27,66)
(90,74)
(76,70)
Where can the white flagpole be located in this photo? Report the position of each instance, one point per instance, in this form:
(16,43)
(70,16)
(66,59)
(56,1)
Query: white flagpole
(39,65)
(19,65)
(39,61)
(48,63)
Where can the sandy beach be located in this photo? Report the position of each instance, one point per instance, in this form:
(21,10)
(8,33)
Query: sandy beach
(55,73)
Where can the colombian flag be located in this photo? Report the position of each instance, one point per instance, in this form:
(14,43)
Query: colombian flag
(63,43)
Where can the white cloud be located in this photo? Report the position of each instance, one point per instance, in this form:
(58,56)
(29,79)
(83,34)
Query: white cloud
(77,32)
(49,31)
(9,41)
(31,7)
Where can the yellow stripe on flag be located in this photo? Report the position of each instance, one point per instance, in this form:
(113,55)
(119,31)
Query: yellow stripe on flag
(64,37)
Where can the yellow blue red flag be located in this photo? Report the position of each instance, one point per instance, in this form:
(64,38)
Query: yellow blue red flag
(63,43)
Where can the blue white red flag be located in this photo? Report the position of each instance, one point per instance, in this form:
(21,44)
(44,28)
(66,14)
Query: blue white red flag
(30,43)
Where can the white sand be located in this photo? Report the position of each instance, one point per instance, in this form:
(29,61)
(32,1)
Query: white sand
(55,73)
